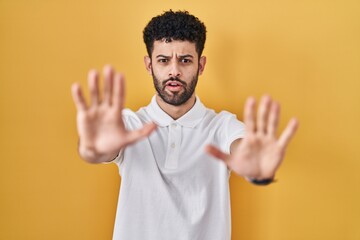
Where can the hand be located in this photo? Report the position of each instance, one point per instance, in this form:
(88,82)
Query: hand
(100,126)
(260,153)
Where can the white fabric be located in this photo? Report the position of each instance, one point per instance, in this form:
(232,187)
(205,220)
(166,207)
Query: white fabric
(171,189)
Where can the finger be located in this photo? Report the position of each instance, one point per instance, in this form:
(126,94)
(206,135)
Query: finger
(214,151)
(78,97)
(263,114)
(108,83)
(273,123)
(249,115)
(93,81)
(288,133)
(143,132)
(119,91)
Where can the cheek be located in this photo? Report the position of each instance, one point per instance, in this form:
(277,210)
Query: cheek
(162,75)
(159,72)
(190,74)
(158,76)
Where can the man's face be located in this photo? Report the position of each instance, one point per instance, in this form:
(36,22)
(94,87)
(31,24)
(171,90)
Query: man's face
(175,67)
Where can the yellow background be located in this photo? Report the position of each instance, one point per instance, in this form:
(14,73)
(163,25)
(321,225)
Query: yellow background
(306,54)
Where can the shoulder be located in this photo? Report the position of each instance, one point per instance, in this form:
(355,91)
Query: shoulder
(221,117)
(226,115)
(133,120)
(226,128)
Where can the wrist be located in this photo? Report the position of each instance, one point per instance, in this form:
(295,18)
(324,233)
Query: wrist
(91,155)
(88,154)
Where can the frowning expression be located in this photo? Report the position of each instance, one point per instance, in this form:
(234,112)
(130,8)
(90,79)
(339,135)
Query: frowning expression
(175,67)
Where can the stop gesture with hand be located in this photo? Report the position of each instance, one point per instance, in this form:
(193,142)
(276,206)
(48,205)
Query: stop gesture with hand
(260,153)
(100,125)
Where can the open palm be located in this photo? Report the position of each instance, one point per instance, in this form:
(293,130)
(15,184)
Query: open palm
(261,152)
(100,125)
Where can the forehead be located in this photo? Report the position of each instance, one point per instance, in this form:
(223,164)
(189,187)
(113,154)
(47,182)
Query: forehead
(175,47)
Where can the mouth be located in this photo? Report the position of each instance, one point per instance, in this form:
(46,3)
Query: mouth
(174,86)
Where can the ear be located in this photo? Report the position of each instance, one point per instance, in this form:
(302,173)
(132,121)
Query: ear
(148,66)
(202,63)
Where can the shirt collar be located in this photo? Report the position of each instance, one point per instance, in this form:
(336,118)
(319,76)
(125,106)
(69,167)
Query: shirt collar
(189,119)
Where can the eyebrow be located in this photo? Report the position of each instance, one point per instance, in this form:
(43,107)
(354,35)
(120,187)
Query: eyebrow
(162,56)
(186,55)
(181,56)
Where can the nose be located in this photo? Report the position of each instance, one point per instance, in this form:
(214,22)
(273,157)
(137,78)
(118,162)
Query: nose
(174,70)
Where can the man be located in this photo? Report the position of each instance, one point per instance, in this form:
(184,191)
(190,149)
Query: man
(172,187)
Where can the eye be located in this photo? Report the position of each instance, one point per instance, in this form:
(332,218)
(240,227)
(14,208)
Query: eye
(186,60)
(162,60)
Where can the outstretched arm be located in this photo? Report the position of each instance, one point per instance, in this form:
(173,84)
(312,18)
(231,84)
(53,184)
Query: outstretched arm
(260,153)
(100,125)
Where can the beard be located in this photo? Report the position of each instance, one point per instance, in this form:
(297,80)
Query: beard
(175,98)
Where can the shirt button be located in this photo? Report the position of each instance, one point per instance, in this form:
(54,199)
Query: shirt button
(173,145)
(174,125)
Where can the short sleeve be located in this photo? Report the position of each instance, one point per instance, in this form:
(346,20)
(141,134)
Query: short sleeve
(131,122)
(230,129)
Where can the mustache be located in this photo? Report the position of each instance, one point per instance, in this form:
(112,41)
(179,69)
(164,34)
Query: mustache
(174,79)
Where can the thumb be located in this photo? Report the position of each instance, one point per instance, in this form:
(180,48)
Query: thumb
(136,135)
(217,153)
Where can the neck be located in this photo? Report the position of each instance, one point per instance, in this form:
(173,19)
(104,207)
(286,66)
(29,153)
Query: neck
(176,111)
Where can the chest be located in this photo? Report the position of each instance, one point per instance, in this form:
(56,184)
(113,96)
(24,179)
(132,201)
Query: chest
(176,146)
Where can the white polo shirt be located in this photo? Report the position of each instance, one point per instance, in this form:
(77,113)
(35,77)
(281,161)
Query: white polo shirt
(171,189)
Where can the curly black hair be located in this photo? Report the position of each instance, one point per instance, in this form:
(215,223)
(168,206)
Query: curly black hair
(178,25)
